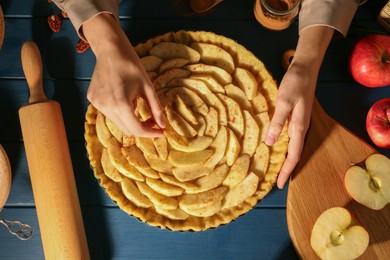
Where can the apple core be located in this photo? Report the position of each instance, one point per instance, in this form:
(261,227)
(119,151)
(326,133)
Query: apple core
(369,185)
(337,238)
(374,184)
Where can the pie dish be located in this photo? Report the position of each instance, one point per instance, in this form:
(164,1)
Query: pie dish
(212,164)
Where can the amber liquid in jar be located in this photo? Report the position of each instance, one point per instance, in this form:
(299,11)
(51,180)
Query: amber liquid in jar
(276,15)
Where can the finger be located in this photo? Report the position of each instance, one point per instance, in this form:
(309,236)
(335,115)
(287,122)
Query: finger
(155,106)
(135,127)
(277,123)
(295,147)
(112,116)
(118,122)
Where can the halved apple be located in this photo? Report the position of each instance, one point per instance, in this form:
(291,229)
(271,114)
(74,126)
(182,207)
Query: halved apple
(370,185)
(335,235)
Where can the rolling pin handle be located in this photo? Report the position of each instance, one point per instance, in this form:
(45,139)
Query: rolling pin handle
(32,67)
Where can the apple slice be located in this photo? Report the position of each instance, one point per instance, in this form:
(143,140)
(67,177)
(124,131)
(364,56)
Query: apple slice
(335,235)
(370,186)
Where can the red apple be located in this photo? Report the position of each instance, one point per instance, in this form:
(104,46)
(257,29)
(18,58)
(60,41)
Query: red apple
(370,61)
(378,123)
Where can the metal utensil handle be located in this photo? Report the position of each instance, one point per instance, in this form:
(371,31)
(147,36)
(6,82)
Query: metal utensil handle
(17,228)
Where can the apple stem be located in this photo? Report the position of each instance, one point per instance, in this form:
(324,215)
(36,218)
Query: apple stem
(386,121)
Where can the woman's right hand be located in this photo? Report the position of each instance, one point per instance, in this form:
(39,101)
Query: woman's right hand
(119,79)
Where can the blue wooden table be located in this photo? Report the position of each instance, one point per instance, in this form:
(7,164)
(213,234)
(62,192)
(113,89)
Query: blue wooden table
(112,234)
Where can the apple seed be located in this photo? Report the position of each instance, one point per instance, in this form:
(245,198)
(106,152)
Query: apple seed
(374,184)
(336,238)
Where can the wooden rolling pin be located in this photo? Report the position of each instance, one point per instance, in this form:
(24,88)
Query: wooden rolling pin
(54,187)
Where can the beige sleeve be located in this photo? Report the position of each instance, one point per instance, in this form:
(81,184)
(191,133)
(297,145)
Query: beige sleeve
(80,11)
(337,14)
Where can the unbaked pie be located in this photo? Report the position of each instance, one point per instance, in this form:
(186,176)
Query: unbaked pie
(212,164)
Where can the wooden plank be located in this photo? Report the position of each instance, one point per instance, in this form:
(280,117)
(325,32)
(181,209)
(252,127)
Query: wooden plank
(112,234)
(70,94)
(168,9)
(142,9)
(66,64)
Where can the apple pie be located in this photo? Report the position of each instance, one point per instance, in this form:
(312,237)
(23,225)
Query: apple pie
(212,165)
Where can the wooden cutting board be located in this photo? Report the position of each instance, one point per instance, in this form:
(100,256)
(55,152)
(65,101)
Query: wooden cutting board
(317,184)
(5,177)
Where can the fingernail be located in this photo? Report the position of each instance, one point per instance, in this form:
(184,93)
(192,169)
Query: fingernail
(279,184)
(269,139)
(162,122)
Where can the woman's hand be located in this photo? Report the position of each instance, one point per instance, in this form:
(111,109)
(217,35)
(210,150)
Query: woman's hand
(296,93)
(293,104)
(119,78)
